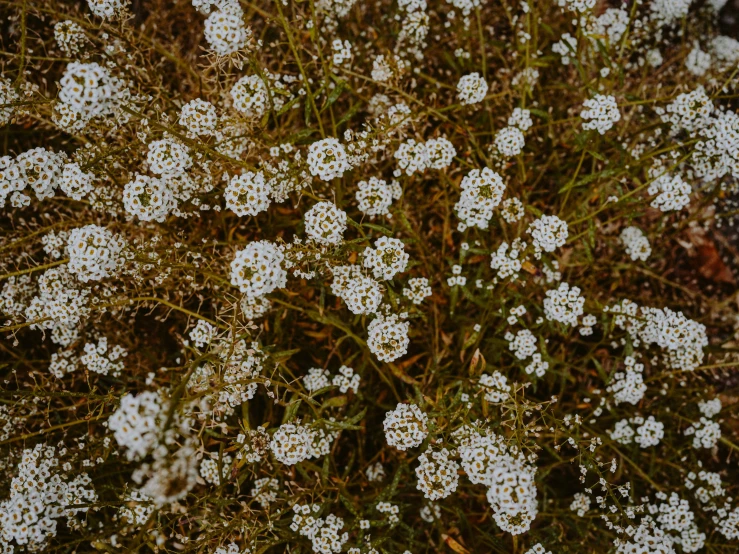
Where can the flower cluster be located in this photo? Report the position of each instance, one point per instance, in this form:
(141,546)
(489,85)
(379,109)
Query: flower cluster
(471,89)
(137,423)
(437,474)
(418,290)
(247,194)
(564,304)
(406,426)
(635,243)
(388,337)
(327,159)
(600,113)
(324,533)
(94,252)
(225,31)
(325,223)
(250,96)
(257,269)
(148,198)
(548,233)
(482,191)
(375,196)
(39,495)
(387,258)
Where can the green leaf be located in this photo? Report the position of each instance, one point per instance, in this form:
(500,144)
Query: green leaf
(348,505)
(348,115)
(334,96)
(343,426)
(539,113)
(291,410)
(379,228)
(308,111)
(300,135)
(357,418)
(597,155)
(284,354)
(289,105)
(588,179)
(334,402)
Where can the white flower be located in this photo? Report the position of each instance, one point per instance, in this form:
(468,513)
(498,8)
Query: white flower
(549,233)
(316,379)
(388,338)
(291,443)
(98,358)
(523,344)
(107,9)
(495,387)
(622,433)
(667,12)
(580,503)
(247,194)
(471,89)
(710,408)
(210,472)
(689,111)
(387,258)
(706,433)
(346,380)
(412,156)
(437,474)
(440,153)
(202,334)
(374,196)
(264,492)
(362,295)
(511,210)
(482,191)
(40,169)
(509,141)
(250,96)
(672,193)
(168,158)
(405,426)
(520,118)
(225,31)
(418,290)
(69,37)
(342,51)
(600,113)
(566,47)
(327,159)
(564,304)
(505,262)
(75,182)
(325,223)
(650,433)
(148,198)
(137,423)
(8,96)
(199,117)
(94,252)
(610,26)
(257,269)
(87,88)
(636,243)
(580,6)
(698,62)
(628,385)
(381,70)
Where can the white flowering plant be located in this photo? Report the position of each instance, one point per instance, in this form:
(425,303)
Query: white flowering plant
(369,278)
